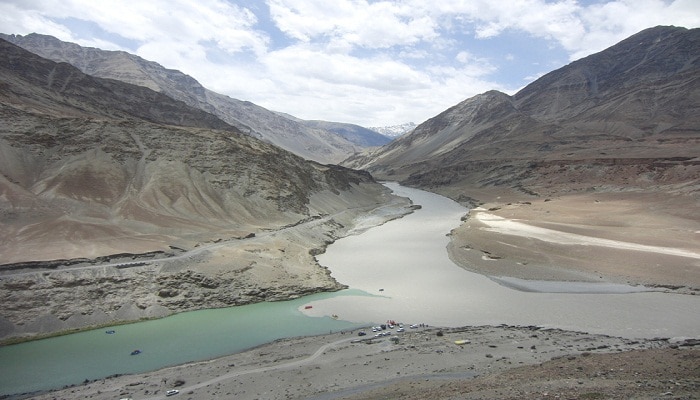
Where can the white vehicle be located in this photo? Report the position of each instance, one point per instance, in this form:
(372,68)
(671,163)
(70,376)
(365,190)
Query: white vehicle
(172,392)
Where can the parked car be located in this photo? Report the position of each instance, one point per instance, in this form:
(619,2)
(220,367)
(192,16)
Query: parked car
(172,392)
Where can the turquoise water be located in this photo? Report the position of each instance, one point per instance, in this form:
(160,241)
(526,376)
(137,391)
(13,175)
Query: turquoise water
(192,336)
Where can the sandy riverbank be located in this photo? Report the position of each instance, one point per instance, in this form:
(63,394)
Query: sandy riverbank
(420,359)
(628,238)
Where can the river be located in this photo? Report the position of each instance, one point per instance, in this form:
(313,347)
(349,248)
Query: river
(405,263)
(198,335)
(397,271)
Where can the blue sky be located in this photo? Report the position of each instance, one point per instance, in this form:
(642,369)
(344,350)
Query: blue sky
(372,63)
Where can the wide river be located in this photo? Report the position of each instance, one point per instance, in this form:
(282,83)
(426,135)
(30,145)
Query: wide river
(405,263)
(397,271)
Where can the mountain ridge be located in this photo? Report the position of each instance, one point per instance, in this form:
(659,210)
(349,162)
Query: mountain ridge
(291,134)
(589,109)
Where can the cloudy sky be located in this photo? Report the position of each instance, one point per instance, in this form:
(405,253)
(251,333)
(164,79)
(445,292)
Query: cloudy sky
(373,63)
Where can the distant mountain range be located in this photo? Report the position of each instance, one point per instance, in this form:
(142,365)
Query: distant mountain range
(394,131)
(627,118)
(362,137)
(306,139)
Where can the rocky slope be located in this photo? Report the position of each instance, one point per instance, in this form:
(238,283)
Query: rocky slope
(626,118)
(118,202)
(308,141)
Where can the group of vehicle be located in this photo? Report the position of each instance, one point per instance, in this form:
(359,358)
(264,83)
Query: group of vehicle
(386,329)
(171,392)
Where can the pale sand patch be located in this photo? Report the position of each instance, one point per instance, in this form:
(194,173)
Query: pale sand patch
(512,227)
(618,237)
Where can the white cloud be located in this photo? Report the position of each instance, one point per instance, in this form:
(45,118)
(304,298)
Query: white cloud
(368,62)
(608,23)
(26,17)
(307,63)
(579,28)
(352,22)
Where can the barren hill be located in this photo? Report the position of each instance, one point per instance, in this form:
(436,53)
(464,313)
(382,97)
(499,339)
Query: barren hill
(627,117)
(118,202)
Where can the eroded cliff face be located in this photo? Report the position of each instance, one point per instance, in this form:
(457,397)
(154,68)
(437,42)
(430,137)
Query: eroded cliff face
(200,214)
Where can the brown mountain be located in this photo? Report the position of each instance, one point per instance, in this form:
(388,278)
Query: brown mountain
(308,141)
(592,172)
(118,202)
(625,118)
